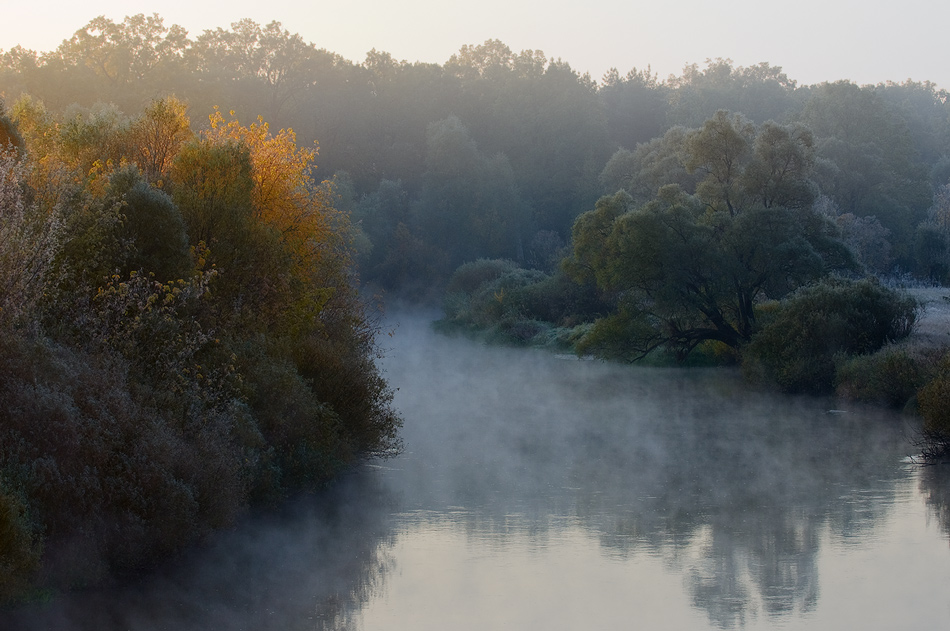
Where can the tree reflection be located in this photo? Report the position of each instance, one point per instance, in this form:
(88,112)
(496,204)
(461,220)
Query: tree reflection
(308,567)
(740,508)
(732,488)
(935,487)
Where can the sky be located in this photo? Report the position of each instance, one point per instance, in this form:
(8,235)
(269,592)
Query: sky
(865,41)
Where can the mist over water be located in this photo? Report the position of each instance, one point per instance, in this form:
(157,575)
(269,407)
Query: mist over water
(546,492)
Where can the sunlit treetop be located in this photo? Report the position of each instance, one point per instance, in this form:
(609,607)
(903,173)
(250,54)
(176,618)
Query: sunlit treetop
(285,195)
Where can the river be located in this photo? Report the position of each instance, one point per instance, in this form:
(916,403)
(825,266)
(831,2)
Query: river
(545,492)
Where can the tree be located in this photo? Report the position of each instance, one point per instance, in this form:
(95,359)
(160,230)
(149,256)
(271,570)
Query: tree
(283,195)
(690,268)
(866,160)
(730,163)
(157,136)
(682,277)
(719,150)
(635,105)
(126,51)
(762,92)
(469,206)
(257,58)
(212,187)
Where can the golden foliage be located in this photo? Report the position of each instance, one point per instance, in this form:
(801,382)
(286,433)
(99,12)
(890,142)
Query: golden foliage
(284,195)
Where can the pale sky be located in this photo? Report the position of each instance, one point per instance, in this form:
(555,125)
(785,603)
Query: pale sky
(866,41)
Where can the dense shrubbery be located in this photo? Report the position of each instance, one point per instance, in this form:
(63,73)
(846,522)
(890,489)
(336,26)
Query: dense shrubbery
(514,305)
(179,337)
(890,377)
(802,337)
(933,401)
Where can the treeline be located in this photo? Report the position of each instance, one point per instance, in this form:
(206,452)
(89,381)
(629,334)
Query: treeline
(494,153)
(181,336)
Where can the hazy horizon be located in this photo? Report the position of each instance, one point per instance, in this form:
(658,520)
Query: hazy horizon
(866,43)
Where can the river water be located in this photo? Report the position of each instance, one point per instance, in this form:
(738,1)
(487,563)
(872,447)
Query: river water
(544,492)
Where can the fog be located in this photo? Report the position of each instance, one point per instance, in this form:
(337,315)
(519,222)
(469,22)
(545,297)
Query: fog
(543,490)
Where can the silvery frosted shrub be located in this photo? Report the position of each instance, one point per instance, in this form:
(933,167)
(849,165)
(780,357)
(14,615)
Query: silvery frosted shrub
(28,241)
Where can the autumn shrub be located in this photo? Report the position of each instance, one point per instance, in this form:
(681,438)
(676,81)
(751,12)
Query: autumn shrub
(186,355)
(803,337)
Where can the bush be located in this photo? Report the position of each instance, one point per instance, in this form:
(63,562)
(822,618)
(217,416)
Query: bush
(803,337)
(933,402)
(28,242)
(111,483)
(152,225)
(19,546)
(148,395)
(469,277)
(889,377)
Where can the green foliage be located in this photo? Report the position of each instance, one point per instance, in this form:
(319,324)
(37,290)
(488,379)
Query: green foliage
(868,161)
(123,482)
(470,277)
(933,402)
(298,444)
(212,188)
(890,376)
(688,267)
(20,546)
(338,361)
(517,306)
(469,204)
(152,225)
(803,337)
(682,275)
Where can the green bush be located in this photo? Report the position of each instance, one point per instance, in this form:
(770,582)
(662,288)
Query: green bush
(153,226)
(933,402)
(19,546)
(469,277)
(889,377)
(802,338)
(508,304)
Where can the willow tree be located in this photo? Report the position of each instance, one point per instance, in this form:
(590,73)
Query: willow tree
(690,266)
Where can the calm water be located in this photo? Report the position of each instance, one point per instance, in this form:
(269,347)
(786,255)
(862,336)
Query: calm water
(538,492)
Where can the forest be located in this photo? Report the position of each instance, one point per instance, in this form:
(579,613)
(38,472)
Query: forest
(178,253)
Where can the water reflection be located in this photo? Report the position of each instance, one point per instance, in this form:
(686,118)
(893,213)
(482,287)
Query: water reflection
(731,488)
(935,487)
(308,567)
